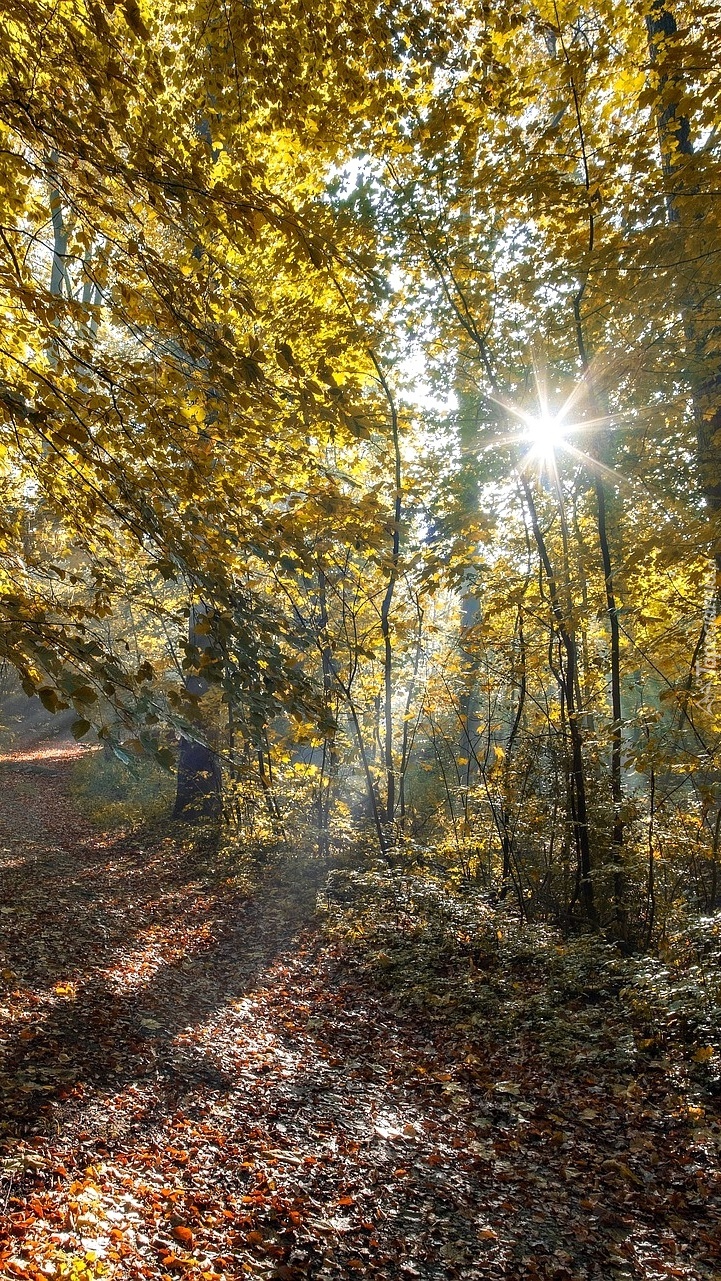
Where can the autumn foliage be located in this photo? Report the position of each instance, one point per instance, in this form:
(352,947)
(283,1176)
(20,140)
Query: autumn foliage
(360,440)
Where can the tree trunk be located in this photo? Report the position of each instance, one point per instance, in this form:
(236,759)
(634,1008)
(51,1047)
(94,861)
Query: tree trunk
(329,765)
(390,805)
(199,790)
(198,793)
(566,677)
(470,603)
(699,293)
(616,709)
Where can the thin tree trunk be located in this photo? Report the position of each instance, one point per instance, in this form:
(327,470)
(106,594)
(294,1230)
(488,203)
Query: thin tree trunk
(390,805)
(651,883)
(330,751)
(376,809)
(616,709)
(408,738)
(617,832)
(567,685)
(507,834)
(59,278)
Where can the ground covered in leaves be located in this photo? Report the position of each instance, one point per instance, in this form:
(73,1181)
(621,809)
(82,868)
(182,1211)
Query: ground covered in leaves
(206,1076)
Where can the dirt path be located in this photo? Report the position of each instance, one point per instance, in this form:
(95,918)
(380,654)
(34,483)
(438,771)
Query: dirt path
(197,1085)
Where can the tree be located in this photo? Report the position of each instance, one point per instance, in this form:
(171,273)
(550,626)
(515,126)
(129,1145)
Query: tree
(386,339)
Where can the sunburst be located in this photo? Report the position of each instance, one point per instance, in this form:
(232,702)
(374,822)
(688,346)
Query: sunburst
(546,432)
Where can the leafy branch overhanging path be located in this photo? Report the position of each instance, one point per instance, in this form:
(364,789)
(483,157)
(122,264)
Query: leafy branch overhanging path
(198,1082)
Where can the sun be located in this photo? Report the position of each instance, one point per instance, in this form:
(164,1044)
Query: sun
(548,432)
(545,435)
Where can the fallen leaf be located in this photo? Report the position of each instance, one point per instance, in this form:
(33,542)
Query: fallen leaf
(183,1234)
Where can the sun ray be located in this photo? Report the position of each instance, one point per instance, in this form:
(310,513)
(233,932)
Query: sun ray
(593,464)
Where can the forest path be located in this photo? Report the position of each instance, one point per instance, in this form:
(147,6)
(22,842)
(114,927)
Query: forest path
(198,1084)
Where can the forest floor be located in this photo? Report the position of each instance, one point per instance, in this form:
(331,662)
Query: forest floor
(200,1080)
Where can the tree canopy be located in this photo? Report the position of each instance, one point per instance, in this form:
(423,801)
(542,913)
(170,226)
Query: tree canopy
(360,418)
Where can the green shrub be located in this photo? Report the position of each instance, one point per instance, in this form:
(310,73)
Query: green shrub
(112,794)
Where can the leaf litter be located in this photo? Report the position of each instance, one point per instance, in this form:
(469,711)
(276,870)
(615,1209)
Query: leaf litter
(205,1078)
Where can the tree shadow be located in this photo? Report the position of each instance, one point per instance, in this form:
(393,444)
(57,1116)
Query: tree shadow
(113,949)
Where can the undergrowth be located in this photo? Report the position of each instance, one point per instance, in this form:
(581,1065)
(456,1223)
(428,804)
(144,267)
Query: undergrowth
(580,999)
(112,794)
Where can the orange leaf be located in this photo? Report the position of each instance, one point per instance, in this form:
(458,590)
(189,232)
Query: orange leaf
(183,1234)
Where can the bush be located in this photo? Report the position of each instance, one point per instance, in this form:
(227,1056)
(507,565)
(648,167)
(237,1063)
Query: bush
(112,794)
(585,1003)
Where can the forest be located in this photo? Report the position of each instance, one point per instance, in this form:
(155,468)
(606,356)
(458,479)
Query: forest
(360,663)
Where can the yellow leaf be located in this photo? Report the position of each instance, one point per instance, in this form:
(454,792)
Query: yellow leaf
(703,1054)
